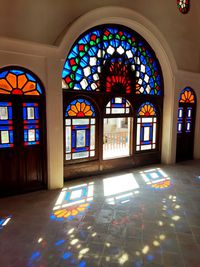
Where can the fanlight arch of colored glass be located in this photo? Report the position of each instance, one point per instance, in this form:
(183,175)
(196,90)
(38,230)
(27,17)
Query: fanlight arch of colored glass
(146,110)
(19,81)
(146,127)
(187,96)
(183,6)
(118,105)
(80,108)
(80,130)
(93,49)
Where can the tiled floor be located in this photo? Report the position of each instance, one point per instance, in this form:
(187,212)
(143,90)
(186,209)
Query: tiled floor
(141,217)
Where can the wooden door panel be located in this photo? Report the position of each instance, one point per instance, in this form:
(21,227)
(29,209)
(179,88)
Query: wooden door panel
(185,138)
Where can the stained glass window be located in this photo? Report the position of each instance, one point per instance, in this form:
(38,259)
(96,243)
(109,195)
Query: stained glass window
(31,124)
(18,82)
(6,125)
(146,127)
(118,105)
(183,6)
(187,96)
(79,130)
(180,120)
(187,102)
(125,56)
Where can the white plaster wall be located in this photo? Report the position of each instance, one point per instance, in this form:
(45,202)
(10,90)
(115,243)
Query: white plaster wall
(47,61)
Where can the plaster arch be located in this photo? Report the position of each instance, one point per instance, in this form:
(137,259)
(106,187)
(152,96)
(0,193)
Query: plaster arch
(153,36)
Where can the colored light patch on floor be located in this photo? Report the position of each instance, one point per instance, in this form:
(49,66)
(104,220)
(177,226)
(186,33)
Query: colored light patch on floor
(73,201)
(71,212)
(4,221)
(156,179)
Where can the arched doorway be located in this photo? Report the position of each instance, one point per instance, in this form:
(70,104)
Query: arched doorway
(22,131)
(114,62)
(186,124)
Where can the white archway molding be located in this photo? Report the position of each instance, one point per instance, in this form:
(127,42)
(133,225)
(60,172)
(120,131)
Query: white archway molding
(158,43)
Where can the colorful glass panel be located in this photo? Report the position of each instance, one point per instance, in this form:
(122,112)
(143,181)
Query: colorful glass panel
(146,110)
(118,105)
(19,82)
(117,78)
(188,125)
(6,127)
(180,120)
(183,6)
(146,127)
(187,96)
(31,124)
(80,108)
(95,48)
(79,130)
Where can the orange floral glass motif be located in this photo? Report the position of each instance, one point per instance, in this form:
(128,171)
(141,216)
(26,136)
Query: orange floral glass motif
(187,96)
(18,82)
(80,108)
(146,110)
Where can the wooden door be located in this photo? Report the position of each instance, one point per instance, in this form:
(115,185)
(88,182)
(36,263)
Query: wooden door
(22,145)
(185,131)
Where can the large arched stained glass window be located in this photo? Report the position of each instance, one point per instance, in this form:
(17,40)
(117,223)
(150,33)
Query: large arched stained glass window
(183,6)
(146,127)
(112,58)
(79,130)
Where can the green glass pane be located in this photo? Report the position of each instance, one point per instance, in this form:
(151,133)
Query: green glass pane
(74,68)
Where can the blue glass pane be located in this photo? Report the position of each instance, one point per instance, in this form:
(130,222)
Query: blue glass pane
(17,72)
(30,77)
(3,74)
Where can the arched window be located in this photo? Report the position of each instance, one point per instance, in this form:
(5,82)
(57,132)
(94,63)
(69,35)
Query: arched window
(183,6)
(116,68)
(79,130)
(22,130)
(146,127)
(119,50)
(14,81)
(185,124)
(117,129)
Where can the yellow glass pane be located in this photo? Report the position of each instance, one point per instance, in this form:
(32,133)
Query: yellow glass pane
(86,109)
(71,113)
(78,106)
(32,93)
(4,92)
(5,85)
(88,113)
(83,106)
(29,87)
(21,81)
(12,79)
(73,108)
